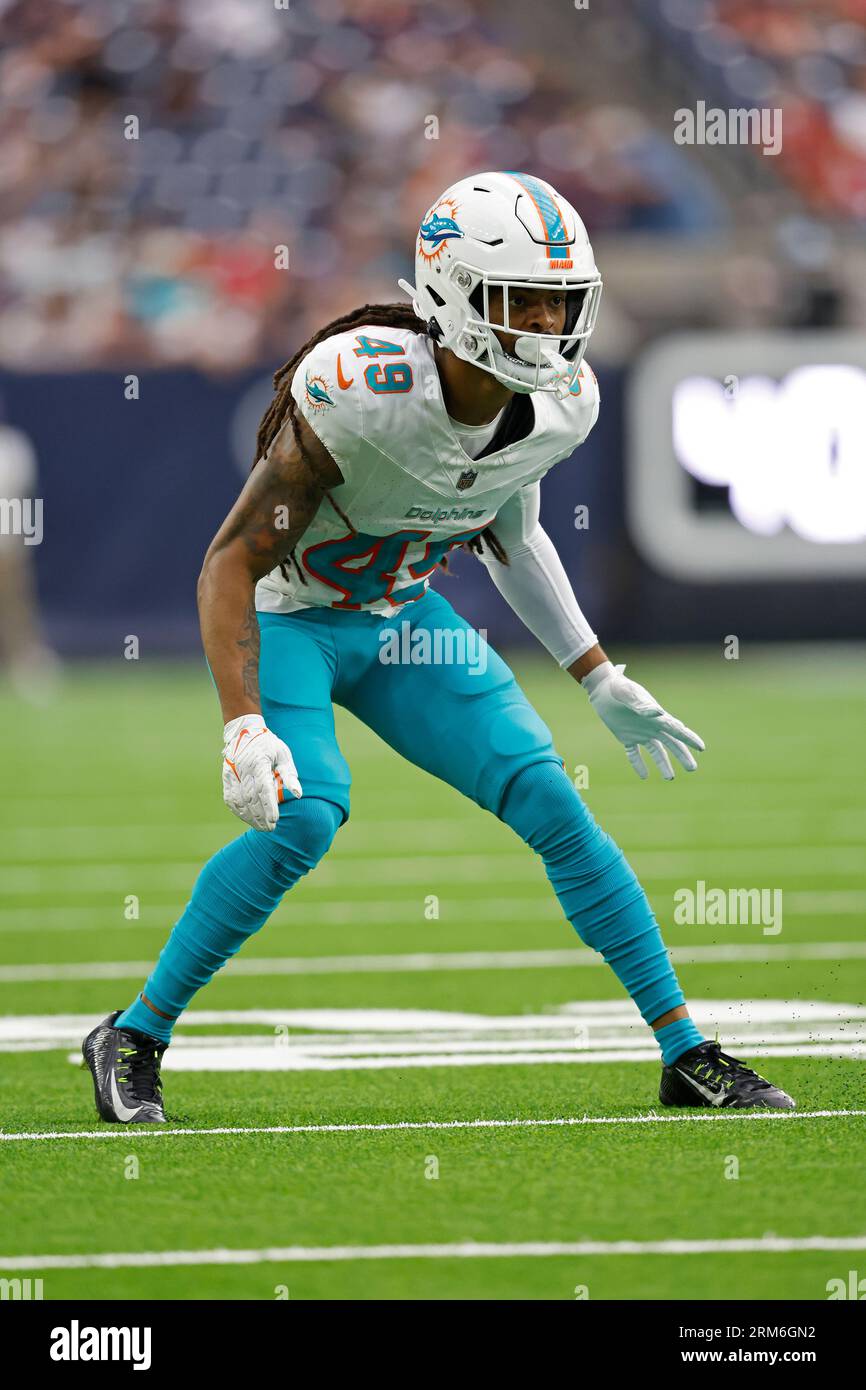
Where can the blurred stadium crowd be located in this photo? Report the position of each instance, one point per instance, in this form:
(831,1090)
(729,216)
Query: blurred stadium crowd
(310,126)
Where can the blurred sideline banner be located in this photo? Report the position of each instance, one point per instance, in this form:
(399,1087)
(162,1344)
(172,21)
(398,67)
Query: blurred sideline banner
(134,490)
(747,456)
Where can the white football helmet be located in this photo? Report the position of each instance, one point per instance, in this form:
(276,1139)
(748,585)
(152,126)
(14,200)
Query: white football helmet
(505,230)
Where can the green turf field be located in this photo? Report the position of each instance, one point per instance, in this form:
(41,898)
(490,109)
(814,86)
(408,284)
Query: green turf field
(421,979)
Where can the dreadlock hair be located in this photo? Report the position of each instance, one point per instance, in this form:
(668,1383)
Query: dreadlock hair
(283,407)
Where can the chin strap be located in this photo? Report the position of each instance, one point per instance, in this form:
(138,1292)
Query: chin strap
(563,383)
(411,291)
(433,326)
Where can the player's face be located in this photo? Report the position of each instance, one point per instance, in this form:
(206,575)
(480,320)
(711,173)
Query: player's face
(529,311)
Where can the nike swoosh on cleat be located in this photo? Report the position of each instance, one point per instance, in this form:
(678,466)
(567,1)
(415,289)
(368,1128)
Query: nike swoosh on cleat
(343,382)
(121,1111)
(714,1097)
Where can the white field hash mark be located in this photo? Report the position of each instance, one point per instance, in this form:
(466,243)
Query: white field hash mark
(407,1126)
(251,1055)
(353,1039)
(464,1250)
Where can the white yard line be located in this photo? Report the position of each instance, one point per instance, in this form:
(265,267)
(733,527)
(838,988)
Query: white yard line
(442,837)
(308,911)
(844,1041)
(405,1126)
(430,962)
(282,1059)
(303,910)
(367,833)
(464,1250)
(358,1039)
(513,865)
(607,1020)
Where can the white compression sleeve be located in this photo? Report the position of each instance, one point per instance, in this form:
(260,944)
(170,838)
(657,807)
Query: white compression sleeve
(534,582)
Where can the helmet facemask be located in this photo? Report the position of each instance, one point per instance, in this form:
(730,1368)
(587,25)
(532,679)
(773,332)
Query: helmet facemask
(533,361)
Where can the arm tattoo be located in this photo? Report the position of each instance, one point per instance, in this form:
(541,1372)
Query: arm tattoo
(278,503)
(249,644)
(275,508)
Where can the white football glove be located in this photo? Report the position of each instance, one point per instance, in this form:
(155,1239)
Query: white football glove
(258,771)
(631,713)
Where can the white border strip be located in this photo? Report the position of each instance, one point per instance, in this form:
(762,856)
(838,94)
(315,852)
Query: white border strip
(157,1131)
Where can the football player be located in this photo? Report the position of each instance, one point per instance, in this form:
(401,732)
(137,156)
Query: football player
(396,434)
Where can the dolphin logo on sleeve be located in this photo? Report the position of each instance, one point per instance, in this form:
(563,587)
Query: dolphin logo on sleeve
(318,392)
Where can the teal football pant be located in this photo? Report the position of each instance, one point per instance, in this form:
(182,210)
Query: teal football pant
(428,684)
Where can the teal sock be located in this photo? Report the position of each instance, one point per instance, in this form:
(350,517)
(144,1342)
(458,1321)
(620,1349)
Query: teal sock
(143,1020)
(234,895)
(676,1038)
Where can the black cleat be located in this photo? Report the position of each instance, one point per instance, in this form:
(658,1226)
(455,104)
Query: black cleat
(705,1075)
(125,1069)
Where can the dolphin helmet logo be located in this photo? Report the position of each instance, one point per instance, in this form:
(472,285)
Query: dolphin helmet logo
(438,228)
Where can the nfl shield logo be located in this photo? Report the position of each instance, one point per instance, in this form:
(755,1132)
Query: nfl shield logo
(466,479)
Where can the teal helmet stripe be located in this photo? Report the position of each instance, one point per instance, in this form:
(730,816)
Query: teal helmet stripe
(554,228)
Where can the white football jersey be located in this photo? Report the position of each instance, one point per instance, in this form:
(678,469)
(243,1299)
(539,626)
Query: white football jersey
(410,492)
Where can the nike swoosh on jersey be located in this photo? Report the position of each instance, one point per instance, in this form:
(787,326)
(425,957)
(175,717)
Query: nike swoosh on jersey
(714,1097)
(341,380)
(121,1111)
